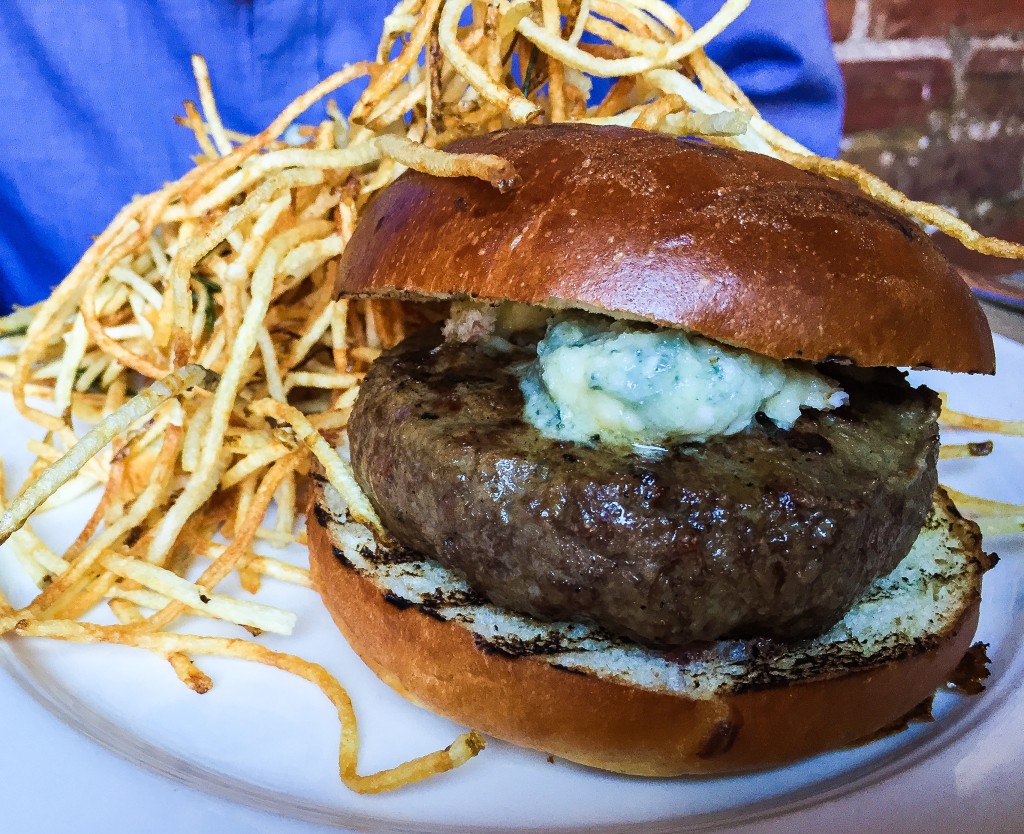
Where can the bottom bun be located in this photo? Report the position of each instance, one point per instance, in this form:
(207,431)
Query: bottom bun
(572,691)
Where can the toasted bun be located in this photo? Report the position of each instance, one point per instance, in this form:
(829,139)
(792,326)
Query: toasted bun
(739,247)
(564,689)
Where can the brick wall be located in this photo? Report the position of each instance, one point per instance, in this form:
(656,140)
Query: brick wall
(935,104)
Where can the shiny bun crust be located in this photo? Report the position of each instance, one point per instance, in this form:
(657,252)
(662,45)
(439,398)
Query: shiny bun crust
(739,247)
(443,666)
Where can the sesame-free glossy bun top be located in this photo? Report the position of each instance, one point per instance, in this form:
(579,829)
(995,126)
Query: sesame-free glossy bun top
(739,247)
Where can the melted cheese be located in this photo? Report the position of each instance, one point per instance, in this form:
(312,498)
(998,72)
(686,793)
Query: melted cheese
(595,380)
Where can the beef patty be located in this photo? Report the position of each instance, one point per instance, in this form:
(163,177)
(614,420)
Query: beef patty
(764,533)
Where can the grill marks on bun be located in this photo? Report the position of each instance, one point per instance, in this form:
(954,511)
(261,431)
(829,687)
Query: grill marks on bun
(570,690)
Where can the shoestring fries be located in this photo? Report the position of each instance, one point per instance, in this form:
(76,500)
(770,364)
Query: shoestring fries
(959,420)
(224,279)
(981,449)
(995,518)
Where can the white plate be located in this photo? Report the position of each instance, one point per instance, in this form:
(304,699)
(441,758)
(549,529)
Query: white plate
(258,753)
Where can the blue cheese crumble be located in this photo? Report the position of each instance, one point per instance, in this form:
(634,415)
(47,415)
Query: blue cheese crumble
(598,380)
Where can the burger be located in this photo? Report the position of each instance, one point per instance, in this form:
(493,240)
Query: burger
(656,497)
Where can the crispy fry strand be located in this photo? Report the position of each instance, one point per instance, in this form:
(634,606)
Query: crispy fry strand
(194,122)
(494,169)
(986,506)
(960,420)
(651,116)
(465,747)
(950,451)
(195,595)
(209,103)
(337,470)
(556,76)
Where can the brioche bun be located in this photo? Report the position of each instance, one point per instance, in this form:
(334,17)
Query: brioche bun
(736,246)
(617,706)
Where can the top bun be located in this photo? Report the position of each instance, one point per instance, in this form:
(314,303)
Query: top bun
(736,246)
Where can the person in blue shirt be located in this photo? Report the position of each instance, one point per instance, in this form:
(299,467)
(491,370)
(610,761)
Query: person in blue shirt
(91,89)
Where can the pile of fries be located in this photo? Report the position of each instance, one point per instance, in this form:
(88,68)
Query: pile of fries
(215,295)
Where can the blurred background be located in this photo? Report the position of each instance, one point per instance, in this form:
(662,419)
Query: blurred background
(935,105)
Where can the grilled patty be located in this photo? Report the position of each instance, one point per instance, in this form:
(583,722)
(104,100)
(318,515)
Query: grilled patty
(765,533)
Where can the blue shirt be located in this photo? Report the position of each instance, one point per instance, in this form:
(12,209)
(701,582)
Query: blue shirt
(91,89)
